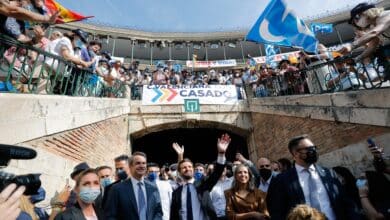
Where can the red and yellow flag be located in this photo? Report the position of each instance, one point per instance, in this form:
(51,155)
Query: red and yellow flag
(65,15)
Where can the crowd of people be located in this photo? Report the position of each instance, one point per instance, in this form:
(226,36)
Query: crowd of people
(283,189)
(290,76)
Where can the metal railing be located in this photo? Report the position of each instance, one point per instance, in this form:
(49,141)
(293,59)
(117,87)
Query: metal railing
(325,77)
(27,69)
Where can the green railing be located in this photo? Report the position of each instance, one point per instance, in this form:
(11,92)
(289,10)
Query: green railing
(27,69)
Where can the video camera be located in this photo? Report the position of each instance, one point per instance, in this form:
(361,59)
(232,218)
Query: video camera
(30,181)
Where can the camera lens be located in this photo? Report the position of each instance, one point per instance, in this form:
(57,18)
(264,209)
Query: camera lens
(30,181)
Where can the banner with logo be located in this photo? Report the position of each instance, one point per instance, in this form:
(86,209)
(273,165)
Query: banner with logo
(175,95)
(276,57)
(211,64)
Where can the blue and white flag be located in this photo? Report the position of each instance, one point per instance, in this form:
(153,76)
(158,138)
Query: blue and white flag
(321,28)
(270,51)
(279,25)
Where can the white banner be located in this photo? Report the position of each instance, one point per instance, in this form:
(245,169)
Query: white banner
(277,57)
(175,95)
(211,64)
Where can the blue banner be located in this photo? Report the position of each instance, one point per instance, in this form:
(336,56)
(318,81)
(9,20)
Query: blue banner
(321,28)
(280,26)
(270,51)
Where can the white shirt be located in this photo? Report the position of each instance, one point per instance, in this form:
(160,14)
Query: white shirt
(303,177)
(217,195)
(197,211)
(135,189)
(55,47)
(165,191)
(263,186)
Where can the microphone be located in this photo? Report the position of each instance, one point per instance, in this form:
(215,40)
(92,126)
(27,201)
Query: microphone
(8,152)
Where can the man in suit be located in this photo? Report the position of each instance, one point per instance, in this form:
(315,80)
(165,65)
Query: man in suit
(308,183)
(191,200)
(263,173)
(134,198)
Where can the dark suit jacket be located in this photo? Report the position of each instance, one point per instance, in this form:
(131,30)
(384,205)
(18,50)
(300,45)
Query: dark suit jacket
(203,189)
(121,203)
(285,193)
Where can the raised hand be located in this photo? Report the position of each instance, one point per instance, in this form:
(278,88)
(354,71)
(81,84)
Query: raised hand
(223,143)
(240,158)
(179,150)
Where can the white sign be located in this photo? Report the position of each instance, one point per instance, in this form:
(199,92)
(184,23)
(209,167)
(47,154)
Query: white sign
(175,95)
(276,57)
(211,64)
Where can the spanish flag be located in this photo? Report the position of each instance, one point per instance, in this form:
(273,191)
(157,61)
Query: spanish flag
(65,15)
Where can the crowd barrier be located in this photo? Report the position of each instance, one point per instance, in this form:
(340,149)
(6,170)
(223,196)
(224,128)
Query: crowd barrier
(27,69)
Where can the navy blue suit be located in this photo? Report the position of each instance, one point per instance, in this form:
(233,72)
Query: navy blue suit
(285,193)
(121,203)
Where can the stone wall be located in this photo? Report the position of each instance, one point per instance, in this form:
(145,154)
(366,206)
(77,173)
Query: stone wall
(272,133)
(97,144)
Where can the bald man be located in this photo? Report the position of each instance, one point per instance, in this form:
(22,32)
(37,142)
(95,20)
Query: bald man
(262,171)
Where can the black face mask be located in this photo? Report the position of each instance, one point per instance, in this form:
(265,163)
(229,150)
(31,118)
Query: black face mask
(311,156)
(229,173)
(122,175)
(265,173)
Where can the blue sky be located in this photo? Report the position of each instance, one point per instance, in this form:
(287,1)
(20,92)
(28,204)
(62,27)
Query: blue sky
(192,16)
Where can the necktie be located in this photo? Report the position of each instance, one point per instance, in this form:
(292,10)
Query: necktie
(189,203)
(313,193)
(141,202)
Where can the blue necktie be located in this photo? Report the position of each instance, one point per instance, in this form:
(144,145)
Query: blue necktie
(141,202)
(189,203)
(313,193)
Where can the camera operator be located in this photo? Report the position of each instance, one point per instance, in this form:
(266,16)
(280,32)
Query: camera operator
(9,201)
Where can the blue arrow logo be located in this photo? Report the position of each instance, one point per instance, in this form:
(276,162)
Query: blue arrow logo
(159,94)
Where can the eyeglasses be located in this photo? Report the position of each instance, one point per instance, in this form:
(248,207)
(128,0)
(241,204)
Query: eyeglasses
(305,149)
(265,166)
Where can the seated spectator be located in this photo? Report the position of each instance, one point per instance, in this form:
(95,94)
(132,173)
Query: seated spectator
(305,212)
(87,189)
(374,192)
(244,200)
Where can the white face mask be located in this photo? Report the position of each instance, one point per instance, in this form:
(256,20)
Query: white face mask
(362,22)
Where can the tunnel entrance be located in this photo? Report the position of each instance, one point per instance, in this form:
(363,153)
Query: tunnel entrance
(200,144)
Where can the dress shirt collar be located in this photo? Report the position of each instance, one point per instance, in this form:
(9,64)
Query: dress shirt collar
(301,169)
(135,181)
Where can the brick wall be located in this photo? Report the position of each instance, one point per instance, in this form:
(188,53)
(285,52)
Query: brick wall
(272,133)
(97,143)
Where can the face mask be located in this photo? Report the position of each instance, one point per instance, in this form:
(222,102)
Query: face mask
(311,156)
(105,182)
(88,195)
(361,183)
(122,175)
(229,173)
(152,176)
(362,22)
(198,175)
(265,173)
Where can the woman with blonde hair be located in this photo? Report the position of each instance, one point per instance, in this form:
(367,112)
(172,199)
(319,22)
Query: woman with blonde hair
(27,209)
(244,200)
(305,212)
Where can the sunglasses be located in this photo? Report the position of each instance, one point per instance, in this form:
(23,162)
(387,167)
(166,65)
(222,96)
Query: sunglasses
(305,149)
(265,166)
